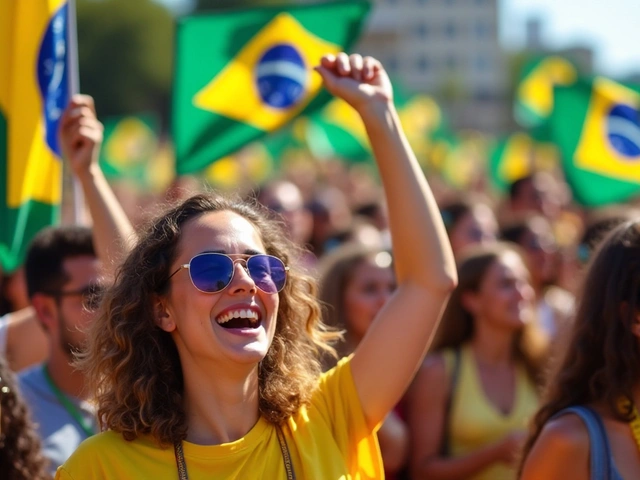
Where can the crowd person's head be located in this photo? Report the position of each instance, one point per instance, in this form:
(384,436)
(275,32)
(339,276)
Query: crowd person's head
(63,282)
(469,221)
(285,198)
(332,219)
(13,292)
(601,360)
(20,454)
(149,338)
(533,233)
(494,294)
(355,282)
(538,192)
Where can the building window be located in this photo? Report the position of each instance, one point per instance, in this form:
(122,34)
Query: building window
(482,63)
(422,31)
(450,30)
(422,64)
(483,30)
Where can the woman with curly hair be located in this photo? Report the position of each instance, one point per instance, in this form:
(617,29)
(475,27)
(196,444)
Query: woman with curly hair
(470,403)
(588,426)
(20,456)
(206,356)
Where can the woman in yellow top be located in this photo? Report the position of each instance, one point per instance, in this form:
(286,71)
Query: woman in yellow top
(469,405)
(205,358)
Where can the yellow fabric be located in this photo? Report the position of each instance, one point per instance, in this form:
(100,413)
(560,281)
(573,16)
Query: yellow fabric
(34,172)
(475,422)
(328,440)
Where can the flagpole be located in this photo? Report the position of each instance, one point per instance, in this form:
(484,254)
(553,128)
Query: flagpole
(74,88)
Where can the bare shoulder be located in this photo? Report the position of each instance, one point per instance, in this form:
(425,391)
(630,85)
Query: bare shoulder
(432,374)
(561,451)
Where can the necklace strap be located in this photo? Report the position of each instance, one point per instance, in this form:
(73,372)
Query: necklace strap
(284,449)
(68,405)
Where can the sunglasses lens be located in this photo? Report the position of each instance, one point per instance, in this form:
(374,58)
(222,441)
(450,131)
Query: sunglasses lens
(268,273)
(211,272)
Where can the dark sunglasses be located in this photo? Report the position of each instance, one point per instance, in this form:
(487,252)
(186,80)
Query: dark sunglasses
(91,295)
(213,272)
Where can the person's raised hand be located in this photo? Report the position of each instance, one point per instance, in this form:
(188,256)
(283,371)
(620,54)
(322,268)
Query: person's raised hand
(80,134)
(360,81)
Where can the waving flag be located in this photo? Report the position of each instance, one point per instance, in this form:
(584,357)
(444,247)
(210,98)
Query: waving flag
(34,91)
(596,125)
(242,74)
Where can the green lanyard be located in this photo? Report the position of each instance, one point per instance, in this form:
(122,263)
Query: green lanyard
(71,409)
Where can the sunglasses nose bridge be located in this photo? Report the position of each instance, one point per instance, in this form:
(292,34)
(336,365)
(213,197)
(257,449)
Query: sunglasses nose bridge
(243,264)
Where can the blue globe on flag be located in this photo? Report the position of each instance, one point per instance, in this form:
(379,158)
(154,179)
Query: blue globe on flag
(623,131)
(282,76)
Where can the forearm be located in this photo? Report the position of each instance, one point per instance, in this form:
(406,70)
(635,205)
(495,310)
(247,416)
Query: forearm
(113,234)
(420,245)
(440,468)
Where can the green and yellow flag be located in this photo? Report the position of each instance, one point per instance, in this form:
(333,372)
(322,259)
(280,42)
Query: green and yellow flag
(242,74)
(130,143)
(534,95)
(34,91)
(596,125)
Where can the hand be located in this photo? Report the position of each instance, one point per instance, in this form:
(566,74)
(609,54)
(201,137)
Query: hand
(80,134)
(357,80)
(511,445)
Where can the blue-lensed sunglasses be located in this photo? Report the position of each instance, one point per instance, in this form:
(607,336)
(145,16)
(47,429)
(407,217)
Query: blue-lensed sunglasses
(213,272)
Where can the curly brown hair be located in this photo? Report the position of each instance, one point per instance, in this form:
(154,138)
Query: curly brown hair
(602,360)
(20,455)
(133,366)
(457,326)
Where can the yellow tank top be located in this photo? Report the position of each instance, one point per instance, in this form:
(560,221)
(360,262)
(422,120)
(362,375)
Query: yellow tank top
(475,422)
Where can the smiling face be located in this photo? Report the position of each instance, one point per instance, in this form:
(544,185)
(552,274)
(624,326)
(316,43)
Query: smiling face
(235,325)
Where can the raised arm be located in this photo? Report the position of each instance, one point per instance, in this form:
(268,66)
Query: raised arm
(388,356)
(81,139)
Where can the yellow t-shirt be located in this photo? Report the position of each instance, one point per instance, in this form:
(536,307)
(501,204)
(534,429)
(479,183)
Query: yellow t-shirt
(329,439)
(475,422)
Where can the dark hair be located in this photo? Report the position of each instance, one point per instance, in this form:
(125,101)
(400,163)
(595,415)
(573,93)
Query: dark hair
(457,325)
(516,187)
(601,222)
(601,362)
(456,209)
(48,251)
(20,455)
(133,366)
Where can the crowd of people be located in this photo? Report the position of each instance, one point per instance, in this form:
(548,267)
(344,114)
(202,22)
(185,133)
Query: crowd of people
(324,327)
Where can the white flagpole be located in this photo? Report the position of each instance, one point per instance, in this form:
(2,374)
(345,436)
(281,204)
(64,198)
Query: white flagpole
(74,87)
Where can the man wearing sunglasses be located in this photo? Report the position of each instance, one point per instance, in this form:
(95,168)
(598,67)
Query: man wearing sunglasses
(65,269)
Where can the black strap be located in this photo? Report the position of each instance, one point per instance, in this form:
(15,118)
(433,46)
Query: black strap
(446,434)
(284,448)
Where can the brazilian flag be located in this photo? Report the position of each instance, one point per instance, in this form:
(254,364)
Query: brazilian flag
(34,90)
(534,94)
(241,74)
(130,142)
(596,125)
(510,159)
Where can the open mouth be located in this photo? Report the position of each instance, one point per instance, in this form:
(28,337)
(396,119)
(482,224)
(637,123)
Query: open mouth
(239,319)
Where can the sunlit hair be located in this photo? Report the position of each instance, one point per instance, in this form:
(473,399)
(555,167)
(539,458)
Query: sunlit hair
(601,361)
(133,366)
(20,454)
(458,325)
(336,271)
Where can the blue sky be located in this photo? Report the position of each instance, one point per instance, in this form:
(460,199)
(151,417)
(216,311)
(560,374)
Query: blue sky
(611,27)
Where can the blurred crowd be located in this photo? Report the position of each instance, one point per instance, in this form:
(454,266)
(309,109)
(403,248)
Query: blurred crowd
(521,259)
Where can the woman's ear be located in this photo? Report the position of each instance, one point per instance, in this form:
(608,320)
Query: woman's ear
(162,316)
(469,301)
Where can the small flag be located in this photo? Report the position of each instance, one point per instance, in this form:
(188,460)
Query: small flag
(242,74)
(34,90)
(534,95)
(596,126)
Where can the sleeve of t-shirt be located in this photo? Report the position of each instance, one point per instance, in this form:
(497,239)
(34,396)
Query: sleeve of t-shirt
(338,402)
(62,474)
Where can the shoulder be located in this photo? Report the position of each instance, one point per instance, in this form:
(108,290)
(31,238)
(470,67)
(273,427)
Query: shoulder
(32,379)
(100,448)
(432,375)
(560,452)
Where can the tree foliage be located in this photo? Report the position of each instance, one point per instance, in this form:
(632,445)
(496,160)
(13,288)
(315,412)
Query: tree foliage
(125,52)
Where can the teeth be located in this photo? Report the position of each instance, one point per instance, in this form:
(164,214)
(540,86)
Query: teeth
(237,314)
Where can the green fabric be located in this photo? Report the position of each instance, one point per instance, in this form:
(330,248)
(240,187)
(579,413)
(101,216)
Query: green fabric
(217,69)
